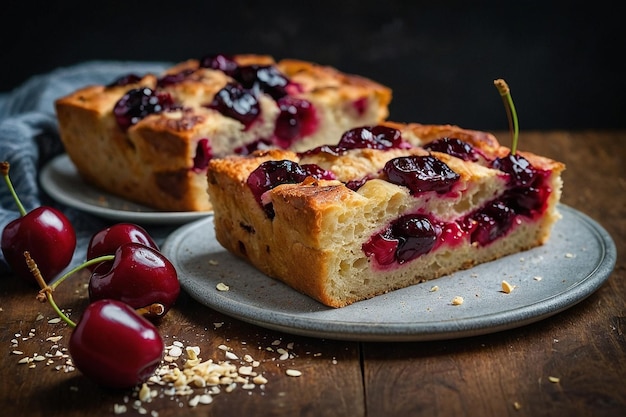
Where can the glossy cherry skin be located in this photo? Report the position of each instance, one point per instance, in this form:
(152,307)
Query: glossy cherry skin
(139,276)
(107,240)
(114,346)
(47,234)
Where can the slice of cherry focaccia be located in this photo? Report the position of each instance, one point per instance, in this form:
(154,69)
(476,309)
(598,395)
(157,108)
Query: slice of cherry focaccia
(148,137)
(389,206)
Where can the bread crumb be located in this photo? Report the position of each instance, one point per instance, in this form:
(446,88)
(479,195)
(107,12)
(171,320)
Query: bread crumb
(506,287)
(457,301)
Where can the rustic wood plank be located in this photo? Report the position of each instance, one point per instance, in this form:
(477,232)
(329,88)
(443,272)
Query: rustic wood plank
(330,383)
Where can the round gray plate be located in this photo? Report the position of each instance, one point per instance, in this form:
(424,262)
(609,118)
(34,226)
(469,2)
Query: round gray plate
(61,181)
(578,258)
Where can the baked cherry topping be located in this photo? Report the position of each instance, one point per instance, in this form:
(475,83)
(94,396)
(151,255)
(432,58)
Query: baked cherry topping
(139,103)
(490,222)
(271,174)
(521,172)
(171,79)
(262,78)
(454,147)
(124,80)
(360,105)
(355,184)
(297,118)
(221,62)
(420,174)
(203,155)
(528,192)
(370,137)
(236,102)
(416,236)
(407,238)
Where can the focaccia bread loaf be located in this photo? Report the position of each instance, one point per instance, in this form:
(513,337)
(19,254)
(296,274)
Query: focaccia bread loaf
(376,213)
(148,138)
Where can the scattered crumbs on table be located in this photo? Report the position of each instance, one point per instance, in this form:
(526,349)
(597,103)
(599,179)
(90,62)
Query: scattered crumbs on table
(457,301)
(506,287)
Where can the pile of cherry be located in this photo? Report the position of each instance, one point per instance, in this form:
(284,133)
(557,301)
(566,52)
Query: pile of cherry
(132,285)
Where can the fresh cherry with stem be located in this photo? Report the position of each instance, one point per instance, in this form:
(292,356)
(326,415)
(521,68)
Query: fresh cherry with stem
(111,344)
(107,240)
(140,276)
(44,231)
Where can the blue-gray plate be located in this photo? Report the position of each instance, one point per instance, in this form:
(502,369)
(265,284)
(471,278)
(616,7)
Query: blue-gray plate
(62,182)
(578,258)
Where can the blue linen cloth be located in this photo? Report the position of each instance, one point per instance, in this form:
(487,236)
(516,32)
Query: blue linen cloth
(29,138)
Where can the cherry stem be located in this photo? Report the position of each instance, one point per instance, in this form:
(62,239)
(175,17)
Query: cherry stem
(511,114)
(46,290)
(81,266)
(153,310)
(4,170)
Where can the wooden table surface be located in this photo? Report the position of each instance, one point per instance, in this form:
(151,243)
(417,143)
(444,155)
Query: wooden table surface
(571,364)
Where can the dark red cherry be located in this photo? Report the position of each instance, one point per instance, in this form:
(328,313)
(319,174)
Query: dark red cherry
(172,79)
(406,238)
(454,147)
(297,119)
(521,172)
(263,78)
(528,190)
(416,236)
(45,232)
(124,80)
(221,62)
(203,155)
(49,237)
(271,174)
(372,137)
(107,240)
(114,346)
(139,276)
(421,174)
(490,222)
(236,102)
(139,103)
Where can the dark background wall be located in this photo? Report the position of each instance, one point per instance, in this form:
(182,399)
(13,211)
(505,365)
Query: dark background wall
(564,63)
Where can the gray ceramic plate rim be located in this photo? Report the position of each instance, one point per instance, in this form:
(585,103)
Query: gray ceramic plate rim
(61,181)
(574,263)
